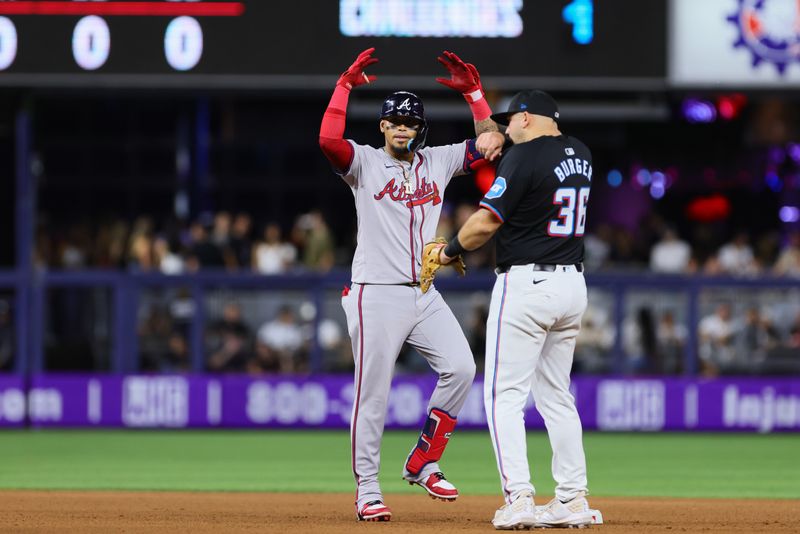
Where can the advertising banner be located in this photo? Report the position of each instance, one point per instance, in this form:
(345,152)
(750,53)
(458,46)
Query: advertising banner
(734,43)
(325,401)
(12,401)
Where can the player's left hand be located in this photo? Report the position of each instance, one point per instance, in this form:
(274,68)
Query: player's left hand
(490,145)
(464,77)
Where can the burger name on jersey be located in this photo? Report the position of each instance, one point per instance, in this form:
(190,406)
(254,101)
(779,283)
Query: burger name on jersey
(571,166)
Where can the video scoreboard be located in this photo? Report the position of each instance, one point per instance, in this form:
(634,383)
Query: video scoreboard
(303,43)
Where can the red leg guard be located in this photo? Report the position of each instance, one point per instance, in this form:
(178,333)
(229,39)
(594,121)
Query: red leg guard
(432,441)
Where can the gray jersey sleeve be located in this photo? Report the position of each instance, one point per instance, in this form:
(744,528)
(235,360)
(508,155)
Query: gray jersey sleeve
(353,174)
(454,158)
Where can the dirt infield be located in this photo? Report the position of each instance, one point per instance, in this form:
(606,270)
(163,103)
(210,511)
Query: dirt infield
(134,512)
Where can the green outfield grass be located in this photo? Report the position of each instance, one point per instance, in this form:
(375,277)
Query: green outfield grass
(669,465)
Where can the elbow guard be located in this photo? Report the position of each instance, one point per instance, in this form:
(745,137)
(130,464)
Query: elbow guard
(473,159)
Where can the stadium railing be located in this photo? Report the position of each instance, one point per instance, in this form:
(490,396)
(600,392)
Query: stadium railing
(28,296)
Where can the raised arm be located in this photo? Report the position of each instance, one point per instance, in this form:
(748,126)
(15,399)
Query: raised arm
(464,78)
(331,132)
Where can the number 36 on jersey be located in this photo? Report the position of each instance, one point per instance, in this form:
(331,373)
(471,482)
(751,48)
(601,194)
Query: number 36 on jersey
(571,219)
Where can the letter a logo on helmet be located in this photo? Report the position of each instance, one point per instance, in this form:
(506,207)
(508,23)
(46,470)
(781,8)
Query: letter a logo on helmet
(405,104)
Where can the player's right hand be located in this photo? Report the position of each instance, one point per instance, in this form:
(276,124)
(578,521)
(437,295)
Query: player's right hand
(355,75)
(490,145)
(464,77)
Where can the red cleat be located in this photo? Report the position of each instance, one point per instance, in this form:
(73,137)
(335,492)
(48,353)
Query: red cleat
(437,487)
(374,511)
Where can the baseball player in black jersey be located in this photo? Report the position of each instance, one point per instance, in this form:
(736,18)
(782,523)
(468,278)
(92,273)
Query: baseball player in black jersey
(537,207)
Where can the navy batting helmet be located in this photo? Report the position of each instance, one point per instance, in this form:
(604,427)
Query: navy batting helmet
(405,104)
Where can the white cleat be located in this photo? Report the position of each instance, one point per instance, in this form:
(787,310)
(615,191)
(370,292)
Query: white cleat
(597,516)
(573,514)
(519,515)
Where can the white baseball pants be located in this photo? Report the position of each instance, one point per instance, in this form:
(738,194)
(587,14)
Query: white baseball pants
(534,318)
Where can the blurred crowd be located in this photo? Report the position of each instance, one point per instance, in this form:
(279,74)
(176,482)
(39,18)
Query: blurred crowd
(732,336)
(753,341)
(748,339)
(233,242)
(710,250)
(231,344)
(731,339)
(215,241)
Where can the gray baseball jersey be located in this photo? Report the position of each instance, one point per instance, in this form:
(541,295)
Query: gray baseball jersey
(398,205)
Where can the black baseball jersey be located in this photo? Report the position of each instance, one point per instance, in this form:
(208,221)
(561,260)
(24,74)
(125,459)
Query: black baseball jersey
(540,193)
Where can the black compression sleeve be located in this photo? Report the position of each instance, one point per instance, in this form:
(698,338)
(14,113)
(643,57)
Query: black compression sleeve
(454,248)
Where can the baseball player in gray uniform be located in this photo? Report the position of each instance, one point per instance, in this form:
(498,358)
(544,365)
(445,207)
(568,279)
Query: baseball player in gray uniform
(537,206)
(398,191)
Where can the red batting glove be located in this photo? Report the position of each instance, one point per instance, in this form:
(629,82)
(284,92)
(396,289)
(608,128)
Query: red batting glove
(355,75)
(464,77)
(475,74)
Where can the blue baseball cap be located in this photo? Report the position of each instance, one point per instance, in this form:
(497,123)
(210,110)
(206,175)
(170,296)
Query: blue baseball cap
(534,101)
